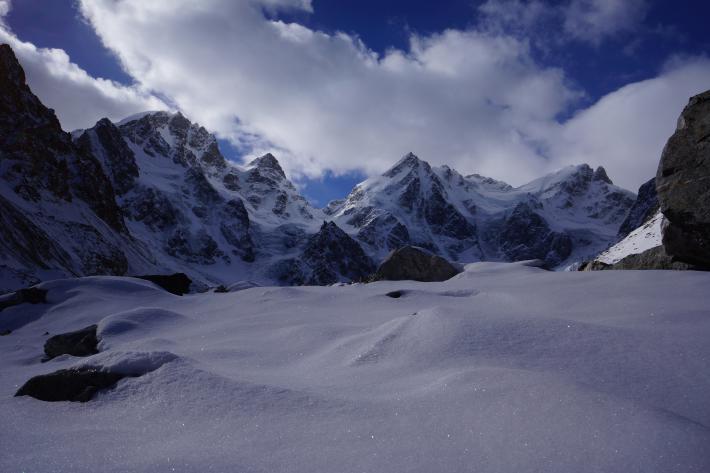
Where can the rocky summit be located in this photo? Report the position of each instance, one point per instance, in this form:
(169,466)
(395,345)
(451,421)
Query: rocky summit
(153,194)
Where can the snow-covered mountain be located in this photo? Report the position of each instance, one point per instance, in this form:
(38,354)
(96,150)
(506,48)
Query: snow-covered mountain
(154,194)
(558,218)
(196,211)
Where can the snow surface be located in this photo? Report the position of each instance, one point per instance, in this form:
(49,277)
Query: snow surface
(504,368)
(644,238)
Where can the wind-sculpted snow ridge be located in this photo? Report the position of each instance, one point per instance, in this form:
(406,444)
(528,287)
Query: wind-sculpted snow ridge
(505,367)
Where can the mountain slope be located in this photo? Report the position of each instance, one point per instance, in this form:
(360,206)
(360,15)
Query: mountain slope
(559,217)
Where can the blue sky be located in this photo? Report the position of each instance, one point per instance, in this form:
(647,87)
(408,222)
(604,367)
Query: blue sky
(579,56)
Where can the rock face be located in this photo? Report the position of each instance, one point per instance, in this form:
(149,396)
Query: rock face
(76,385)
(330,256)
(644,208)
(683,185)
(653,258)
(525,235)
(81,342)
(416,264)
(59,211)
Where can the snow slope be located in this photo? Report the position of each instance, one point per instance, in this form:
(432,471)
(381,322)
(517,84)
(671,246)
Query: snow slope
(503,368)
(644,238)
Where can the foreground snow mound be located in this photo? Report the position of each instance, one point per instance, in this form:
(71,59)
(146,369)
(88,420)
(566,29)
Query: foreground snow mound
(504,367)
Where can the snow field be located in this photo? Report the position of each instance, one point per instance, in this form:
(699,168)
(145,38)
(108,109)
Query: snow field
(503,368)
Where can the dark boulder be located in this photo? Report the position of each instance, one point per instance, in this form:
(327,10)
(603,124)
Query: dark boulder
(683,185)
(177,283)
(76,385)
(30,295)
(653,258)
(593,266)
(414,263)
(81,342)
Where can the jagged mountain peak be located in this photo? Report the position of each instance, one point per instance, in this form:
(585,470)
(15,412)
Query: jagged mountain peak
(601,175)
(171,135)
(21,109)
(10,69)
(268,163)
(409,162)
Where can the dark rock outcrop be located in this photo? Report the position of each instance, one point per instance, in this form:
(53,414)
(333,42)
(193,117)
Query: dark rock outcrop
(76,385)
(329,256)
(653,258)
(644,208)
(117,158)
(177,283)
(683,185)
(81,342)
(417,264)
(30,295)
(525,235)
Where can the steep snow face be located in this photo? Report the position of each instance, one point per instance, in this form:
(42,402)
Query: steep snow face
(411,204)
(504,368)
(582,204)
(559,218)
(645,237)
(198,212)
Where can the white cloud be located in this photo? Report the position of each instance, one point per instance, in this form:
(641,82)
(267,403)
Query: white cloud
(596,20)
(590,21)
(474,99)
(464,97)
(5,6)
(627,129)
(78,99)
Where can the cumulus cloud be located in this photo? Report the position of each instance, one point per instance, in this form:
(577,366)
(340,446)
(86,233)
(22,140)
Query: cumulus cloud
(474,99)
(627,129)
(78,99)
(467,98)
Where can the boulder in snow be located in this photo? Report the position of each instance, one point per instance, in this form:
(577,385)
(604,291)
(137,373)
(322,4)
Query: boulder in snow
(76,384)
(30,295)
(414,263)
(81,342)
(177,283)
